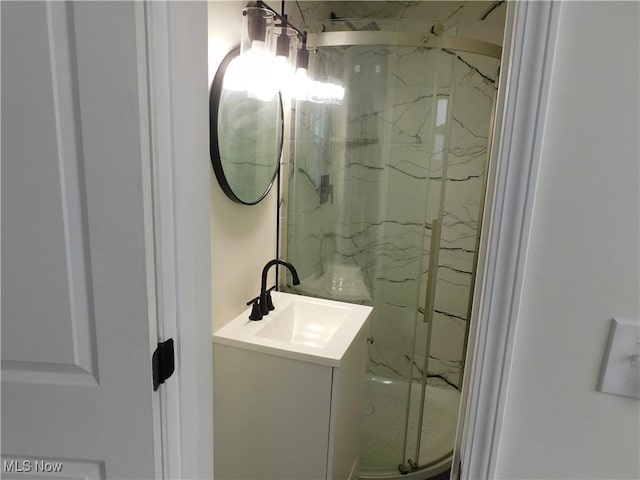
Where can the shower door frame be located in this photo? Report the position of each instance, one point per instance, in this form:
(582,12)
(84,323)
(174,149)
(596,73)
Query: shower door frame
(400,39)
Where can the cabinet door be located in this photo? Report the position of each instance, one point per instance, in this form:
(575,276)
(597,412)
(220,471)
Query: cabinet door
(271,416)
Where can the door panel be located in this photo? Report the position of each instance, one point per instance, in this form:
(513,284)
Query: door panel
(48,312)
(76,298)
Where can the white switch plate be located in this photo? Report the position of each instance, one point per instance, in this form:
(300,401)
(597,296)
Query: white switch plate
(621,368)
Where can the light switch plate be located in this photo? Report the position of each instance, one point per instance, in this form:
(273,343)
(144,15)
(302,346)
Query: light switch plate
(621,369)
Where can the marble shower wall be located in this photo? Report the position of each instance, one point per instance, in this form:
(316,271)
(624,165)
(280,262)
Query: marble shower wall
(367,178)
(479,19)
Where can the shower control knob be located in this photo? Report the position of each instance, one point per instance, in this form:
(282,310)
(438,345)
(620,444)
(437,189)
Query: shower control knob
(370,340)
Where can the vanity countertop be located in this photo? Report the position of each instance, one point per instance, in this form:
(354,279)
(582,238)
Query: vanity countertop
(301,328)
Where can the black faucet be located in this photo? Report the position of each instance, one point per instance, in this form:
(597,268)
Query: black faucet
(263,303)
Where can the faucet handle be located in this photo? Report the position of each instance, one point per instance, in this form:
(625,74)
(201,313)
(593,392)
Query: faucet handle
(256,314)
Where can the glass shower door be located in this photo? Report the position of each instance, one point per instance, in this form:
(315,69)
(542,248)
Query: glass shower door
(356,212)
(422,446)
(384,199)
(465,96)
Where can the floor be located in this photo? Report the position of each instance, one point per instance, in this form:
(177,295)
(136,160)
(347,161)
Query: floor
(443,476)
(385,422)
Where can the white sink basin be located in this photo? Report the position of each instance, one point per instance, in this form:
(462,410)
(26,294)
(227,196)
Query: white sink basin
(303,328)
(305,323)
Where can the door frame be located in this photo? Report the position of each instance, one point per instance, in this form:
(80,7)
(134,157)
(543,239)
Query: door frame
(176,42)
(523,95)
(175,35)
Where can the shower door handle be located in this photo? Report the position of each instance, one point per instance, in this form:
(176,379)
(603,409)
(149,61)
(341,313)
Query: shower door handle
(429,302)
(434,253)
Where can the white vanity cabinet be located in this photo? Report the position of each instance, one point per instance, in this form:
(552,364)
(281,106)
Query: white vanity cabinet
(280,414)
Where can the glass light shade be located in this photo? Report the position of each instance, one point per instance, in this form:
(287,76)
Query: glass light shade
(305,88)
(257,29)
(285,51)
(244,73)
(324,92)
(285,43)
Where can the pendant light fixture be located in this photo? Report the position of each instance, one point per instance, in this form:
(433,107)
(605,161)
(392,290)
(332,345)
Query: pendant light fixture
(276,48)
(283,68)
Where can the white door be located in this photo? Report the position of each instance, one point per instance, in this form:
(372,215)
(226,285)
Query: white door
(77,285)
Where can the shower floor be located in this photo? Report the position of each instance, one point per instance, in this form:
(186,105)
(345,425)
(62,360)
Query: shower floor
(384,425)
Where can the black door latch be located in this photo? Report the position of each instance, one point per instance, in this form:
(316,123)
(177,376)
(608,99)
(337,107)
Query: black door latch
(163,363)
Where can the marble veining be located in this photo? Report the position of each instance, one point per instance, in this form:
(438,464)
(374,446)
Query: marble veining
(408,144)
(314,14)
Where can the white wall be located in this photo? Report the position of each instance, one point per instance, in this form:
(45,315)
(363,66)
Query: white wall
(583,261)
(243,237)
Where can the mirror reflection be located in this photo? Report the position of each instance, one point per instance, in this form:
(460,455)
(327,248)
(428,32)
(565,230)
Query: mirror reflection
(246,131)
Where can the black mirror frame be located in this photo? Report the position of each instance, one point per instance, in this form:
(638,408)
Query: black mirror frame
(214,149)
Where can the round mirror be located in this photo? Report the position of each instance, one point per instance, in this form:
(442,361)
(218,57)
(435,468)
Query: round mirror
(246,127)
